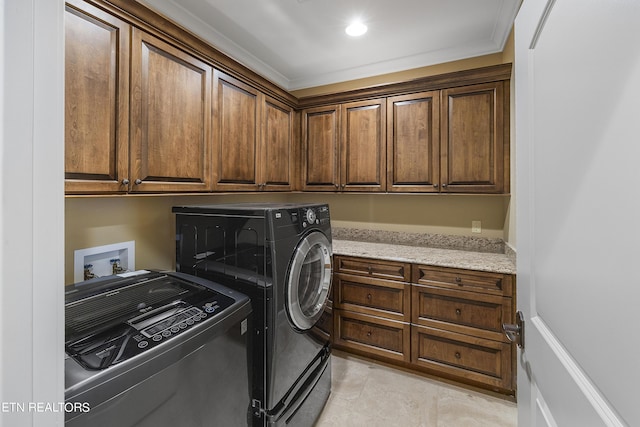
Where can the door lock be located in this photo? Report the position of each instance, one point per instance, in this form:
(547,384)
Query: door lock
(515,333)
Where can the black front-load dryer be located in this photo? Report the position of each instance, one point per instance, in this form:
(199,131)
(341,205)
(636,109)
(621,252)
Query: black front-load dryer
(280,256)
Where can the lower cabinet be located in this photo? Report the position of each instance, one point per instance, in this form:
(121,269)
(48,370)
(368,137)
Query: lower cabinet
(443,321)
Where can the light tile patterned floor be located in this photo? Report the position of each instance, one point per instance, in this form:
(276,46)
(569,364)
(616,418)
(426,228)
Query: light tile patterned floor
(368,394)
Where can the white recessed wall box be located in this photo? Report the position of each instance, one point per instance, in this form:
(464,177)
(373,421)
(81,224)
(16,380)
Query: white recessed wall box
(101,260)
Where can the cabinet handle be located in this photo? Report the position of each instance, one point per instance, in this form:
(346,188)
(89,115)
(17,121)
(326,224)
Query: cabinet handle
(336,185)
(458,311)
(458,355)
(435,185)
(369,333)
(125,181)
(137,181)
(369,297)
(459,281)
(444,185)
(370,269)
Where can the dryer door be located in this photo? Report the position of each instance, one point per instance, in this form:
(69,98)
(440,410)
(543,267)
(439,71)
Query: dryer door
(309,280)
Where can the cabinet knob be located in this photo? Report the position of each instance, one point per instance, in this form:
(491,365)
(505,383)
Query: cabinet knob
(336,185)
(369,296)
(369,333)
(458,355)
(444,185)
(458,311)
(125,181)
(435,185)
(459,280)
(137,181)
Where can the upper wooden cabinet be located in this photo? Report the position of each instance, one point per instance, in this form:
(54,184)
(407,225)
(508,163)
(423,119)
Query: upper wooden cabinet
(363,146)
(344,147)
(320,148)
(278,148)
(96,100)
(170,118)
(253,140)
(413,132)
(236,133)
(474,131)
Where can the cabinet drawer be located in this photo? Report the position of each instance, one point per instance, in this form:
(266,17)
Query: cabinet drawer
(372,335)
(377,297)
(456,355)
(373,268)
(468,280)
(461,311)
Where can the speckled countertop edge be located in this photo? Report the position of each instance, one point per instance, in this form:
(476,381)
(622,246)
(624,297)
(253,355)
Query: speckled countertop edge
(441,257)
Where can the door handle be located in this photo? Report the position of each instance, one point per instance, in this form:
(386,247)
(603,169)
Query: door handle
(515,333)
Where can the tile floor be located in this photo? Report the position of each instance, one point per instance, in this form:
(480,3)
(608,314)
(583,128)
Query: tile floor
(368,394)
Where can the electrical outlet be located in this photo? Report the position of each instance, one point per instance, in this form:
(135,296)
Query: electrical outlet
(476,226)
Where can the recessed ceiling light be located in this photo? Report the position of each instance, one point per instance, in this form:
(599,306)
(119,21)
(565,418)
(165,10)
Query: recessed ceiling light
(356,29)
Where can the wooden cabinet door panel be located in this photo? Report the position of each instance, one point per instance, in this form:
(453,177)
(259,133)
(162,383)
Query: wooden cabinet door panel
(460,311)
(373,296)
(277,159)
(413,145)
(373,268)
(475,359)
(171,117)
(466,280)
(320,145)
(237,133)
(363,146)
(473,138)
(96,100)
(373,335)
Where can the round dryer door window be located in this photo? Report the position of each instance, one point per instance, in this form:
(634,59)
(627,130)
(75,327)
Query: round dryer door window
(309,280)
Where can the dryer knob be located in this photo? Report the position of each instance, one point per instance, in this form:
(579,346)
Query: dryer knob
(311,216)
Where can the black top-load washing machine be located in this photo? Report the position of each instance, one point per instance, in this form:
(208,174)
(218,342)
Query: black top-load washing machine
(156,349)
(280,256)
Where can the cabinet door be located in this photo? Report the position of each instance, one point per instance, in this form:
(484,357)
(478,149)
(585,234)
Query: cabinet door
(320,148)
(96,100)
(236,133)
(363,146)
(170,118)
(277,148)
(413,153)
(474,139)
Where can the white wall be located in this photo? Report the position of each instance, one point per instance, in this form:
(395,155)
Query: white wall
(32,211)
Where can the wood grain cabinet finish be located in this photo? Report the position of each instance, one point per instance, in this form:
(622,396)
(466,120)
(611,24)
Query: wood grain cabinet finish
(170,118)
(321,148)
(344,147)
(372,307)
(413,144)
(96,100)
(474,126)
(463,357)
(452,319)
(457,318)
(363,146)
(236,133)
(253,138)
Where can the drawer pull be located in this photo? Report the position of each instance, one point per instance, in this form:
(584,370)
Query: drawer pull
(458,355)
(369,333)
(459,280)
(458,311)
(369,297)
(370,269)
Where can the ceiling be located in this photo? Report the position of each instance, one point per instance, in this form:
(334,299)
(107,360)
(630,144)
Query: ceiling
(302,43)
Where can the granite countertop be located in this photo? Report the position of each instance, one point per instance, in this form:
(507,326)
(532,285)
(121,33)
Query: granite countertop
(483,256)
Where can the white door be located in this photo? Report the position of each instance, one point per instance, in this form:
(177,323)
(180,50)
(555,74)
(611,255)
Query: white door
(577,76)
